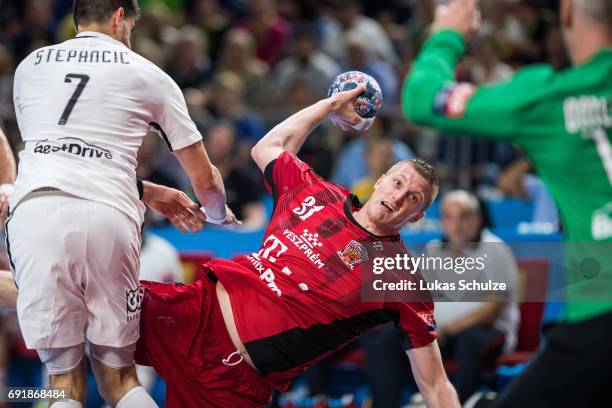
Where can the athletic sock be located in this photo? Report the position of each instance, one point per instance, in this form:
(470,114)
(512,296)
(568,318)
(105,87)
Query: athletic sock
(136,397)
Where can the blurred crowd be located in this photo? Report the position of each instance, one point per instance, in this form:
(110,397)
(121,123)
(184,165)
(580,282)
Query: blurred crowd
(244,65)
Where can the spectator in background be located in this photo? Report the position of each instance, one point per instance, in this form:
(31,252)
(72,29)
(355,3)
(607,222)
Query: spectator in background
(38,29)
(344,16)
(379,158)
(392,19)
(350,165)
(149,49)
(517,180)
(188,62)
(554,49)
(314,67)
(474,333)
(238,55)
(10,20)
(518,25)
(318,150)
(210,17)
(243,192)
(297,12)
(226,103)
(486,66)
(359,57)
(271,31)
(7,67)
(149,154)
(158,26)
(166,5)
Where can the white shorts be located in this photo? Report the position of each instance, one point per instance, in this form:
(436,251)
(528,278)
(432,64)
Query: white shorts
(76,265)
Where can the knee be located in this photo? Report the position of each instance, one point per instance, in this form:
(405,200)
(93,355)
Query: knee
(63,360)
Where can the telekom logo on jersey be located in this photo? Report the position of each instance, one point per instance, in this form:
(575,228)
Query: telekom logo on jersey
(271,249)
(271,244)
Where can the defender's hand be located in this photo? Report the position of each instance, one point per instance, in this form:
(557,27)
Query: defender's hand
(462,16)
(174,205)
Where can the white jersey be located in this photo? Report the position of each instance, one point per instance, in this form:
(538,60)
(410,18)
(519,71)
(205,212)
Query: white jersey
(83,108)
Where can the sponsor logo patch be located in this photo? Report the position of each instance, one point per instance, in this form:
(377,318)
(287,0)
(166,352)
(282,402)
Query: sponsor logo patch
(73,146)
(133,303)
(429,320)
(353,254)
(308,243)
(378,245)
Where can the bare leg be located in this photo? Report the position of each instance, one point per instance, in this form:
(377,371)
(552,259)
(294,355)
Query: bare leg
(8,291)
(73,382)
(115,383)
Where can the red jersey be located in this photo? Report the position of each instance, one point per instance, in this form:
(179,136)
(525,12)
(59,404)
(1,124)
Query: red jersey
(298,298)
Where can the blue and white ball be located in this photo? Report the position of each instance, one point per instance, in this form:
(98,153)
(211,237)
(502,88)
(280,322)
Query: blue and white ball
(366,104)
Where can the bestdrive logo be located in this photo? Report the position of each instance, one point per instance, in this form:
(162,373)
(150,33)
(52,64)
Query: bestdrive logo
(72,145)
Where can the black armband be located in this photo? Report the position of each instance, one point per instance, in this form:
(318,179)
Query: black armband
(140,187)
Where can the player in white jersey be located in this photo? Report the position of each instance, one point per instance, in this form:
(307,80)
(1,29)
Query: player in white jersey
(83,108)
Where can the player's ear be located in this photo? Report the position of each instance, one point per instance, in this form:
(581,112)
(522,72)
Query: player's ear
(380,179)
(415,217)
(117,19)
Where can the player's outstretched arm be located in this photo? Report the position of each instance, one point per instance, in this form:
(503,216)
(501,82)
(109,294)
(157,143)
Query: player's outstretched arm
(8,291)
(290,134)
(207,183)
(428,371)
(432,97)
(173,124)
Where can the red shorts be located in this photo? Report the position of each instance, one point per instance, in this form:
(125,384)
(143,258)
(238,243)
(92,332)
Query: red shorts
(183,336)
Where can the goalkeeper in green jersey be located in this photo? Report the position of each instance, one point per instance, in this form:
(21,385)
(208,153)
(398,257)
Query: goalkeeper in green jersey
(562,120)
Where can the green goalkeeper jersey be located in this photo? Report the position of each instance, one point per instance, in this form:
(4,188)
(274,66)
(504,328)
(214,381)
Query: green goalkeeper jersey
(561,120)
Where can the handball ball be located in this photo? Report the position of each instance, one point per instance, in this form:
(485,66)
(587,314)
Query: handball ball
(366,104)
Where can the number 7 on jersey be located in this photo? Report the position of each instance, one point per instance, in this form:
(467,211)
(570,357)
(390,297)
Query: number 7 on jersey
(83,79)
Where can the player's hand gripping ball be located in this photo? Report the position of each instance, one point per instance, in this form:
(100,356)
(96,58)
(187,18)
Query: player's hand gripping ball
(366,104)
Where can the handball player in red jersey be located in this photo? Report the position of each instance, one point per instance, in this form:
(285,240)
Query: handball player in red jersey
(255,323)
